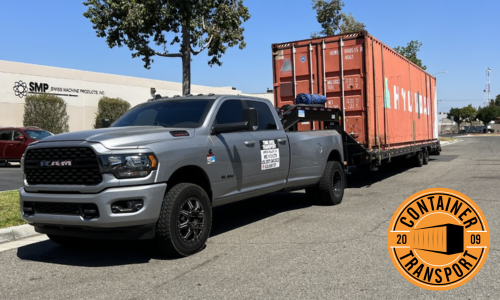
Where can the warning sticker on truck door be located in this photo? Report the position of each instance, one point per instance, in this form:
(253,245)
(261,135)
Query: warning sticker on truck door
(269,154)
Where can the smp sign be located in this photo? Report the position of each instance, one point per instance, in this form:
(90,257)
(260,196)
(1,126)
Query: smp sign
(38,87)
(21,89)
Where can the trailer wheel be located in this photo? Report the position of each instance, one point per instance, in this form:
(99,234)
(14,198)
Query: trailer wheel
(185,220)
(418,159)
(426,156)
(330,189)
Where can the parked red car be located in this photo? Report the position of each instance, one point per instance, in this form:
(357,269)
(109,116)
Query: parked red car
(14,140)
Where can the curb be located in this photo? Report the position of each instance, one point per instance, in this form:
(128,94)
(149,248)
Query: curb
(17,232)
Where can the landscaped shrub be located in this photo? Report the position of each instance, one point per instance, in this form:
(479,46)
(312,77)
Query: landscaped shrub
(111,109)
(47,112)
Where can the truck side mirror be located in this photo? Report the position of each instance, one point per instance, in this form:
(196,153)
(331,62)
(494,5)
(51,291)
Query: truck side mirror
(105,123)
(251,116)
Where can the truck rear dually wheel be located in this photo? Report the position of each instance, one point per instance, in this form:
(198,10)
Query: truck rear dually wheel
(185,220)
(330,189)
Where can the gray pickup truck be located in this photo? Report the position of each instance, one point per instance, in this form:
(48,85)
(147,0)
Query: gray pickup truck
(157,172)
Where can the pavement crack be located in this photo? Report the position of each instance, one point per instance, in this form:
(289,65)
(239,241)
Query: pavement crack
(198,266)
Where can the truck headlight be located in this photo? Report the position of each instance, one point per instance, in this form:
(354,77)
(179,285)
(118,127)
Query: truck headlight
(128,165)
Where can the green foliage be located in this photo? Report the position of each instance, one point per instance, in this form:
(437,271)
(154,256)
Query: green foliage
(143,26)
(465,114)
(110,108)
(410,52)
(328,16)
(488,113)
(455,115)
(497,100)
(468,113)
(10,215)
(349,24)
(47,112)
(332,20)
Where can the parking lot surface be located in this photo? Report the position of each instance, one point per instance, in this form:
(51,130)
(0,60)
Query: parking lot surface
(277,247)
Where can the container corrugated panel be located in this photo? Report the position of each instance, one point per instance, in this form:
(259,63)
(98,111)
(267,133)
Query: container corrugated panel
(388,102)
(446,238)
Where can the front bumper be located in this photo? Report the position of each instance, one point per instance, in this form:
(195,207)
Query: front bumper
(151,195)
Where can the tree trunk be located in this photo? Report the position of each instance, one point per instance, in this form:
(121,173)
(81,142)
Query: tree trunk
(186,61)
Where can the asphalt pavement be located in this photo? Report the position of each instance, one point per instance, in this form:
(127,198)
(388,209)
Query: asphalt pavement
(277,247)
(11,177)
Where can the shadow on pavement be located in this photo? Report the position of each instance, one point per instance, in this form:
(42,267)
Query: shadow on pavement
(115,253)
(99,254)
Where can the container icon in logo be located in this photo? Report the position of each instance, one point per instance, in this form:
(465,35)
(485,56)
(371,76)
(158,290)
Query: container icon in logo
(446,239)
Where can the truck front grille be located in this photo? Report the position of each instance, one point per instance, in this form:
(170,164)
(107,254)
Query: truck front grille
(68,166)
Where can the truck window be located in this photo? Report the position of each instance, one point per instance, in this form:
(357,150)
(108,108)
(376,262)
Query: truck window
(167,113)
(266,119)
(231,111)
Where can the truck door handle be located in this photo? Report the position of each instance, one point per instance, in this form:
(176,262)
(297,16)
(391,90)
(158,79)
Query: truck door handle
(282,141)
(249,143)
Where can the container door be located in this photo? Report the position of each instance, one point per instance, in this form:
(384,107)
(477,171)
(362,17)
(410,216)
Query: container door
(344,58)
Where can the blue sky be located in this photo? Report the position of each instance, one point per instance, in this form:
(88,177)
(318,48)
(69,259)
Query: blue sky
(461,37)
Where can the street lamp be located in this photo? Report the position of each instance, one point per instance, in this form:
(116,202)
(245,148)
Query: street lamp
(444,72)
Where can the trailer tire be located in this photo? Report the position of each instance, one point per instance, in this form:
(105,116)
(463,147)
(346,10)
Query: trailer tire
(425,160)
(418,159)
(185,220)
(330,190)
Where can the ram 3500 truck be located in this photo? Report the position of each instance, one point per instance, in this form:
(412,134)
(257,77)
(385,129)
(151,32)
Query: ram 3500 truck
(158,170)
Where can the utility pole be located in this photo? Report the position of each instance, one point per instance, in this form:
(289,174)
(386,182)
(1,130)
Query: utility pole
(487,89)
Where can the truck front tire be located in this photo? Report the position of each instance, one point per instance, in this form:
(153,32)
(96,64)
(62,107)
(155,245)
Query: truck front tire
(185,220)
(330,189)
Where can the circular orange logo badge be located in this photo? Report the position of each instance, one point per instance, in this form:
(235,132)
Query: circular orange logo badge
(438,239)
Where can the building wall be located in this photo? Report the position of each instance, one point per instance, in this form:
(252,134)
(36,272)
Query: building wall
(81,90)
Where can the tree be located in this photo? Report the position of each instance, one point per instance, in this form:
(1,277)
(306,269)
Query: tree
(455,115)
(143,26)
(497,100)
(328,16)
(468,114)
(47,112)
(410,52)
(349,24)
(332,20)
(111,109)
(488,113)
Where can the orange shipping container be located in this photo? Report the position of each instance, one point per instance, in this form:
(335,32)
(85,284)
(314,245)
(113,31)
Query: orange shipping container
(389,105)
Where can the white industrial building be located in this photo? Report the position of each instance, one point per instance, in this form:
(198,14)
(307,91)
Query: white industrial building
(81,90)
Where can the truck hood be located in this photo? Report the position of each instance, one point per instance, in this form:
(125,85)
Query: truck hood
(121,137)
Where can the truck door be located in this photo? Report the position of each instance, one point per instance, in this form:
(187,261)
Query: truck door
(249,160)
(17,146)
(5,139)
(231,152)
(273,160)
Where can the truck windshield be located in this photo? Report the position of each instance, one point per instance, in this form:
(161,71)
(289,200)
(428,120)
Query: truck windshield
(167,113)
